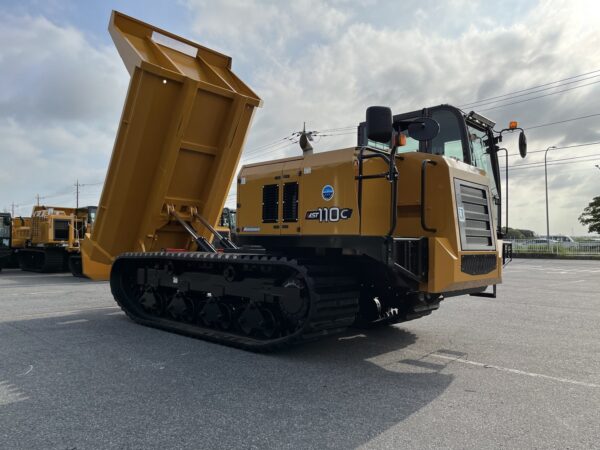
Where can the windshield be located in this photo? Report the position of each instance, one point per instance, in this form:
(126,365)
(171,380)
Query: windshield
(480,157)
(449,140)
(92,215)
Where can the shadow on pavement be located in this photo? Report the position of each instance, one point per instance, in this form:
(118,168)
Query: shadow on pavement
(95,379)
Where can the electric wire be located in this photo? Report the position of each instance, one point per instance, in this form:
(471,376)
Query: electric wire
(557,148)
(530,88)
(538,166)
(533,92)
(554,160)
(539,96)
(561,121)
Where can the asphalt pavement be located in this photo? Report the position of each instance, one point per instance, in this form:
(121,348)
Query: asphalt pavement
(519,371)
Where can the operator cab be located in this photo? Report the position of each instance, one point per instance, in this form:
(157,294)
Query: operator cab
(464,137)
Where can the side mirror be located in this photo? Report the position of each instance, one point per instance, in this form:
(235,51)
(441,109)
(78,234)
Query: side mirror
(379,124)
(522,144)
(423,129)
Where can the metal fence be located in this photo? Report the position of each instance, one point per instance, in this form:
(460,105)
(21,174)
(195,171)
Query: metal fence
(542,246)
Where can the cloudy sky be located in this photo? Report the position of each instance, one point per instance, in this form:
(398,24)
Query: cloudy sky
(322,62)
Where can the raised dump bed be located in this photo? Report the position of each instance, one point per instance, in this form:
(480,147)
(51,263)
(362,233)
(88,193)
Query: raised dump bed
(179,141)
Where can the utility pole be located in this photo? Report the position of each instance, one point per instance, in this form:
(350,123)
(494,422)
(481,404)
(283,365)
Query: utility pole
(77,186)
(37,199)
(546,178)
(12,209)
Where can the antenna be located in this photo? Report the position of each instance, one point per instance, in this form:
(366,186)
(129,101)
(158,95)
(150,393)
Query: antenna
(305,138)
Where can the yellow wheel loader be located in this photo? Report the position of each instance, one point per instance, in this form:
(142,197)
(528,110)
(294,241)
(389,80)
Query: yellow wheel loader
(373,234)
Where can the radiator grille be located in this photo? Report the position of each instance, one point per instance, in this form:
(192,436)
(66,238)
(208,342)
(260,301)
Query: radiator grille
(290,202)
(474,217)
(270,203)
(478,264)
(61,230)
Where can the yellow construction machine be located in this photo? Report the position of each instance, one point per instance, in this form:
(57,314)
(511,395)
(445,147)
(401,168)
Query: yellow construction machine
(83,225)
(226,227)
(373,234)
(20,236)
(45,241)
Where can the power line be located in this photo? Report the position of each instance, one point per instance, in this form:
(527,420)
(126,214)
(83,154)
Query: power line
(555,160)
(340,131)
(261,147)
(561,121)
(540,165)
(268,152)
(532,92)
(528,89)
(557,148)
(539,96)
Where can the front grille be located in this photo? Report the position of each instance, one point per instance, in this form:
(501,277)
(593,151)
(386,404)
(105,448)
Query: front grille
(474,217)
(478,264)
(61,230)
(270,203)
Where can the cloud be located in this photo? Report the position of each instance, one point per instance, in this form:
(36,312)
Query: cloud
(322,62)
(59,109)
(453,52)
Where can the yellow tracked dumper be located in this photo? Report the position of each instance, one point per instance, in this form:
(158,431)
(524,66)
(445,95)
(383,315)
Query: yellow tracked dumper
(48,236)
(373,234)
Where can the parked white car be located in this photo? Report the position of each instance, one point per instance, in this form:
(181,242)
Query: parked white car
(564,241)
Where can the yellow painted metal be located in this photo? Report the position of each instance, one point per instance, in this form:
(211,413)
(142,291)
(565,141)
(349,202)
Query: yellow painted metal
(45,219)
(180,138)
(338,168)
(21,232)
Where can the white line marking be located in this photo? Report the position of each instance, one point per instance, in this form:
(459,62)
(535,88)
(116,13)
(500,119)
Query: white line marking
(115,313)
(68,322)
(516,371)
(57,313)
(28,370)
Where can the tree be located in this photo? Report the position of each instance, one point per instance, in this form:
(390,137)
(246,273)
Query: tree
(528,234)
(511,233)
(591,216)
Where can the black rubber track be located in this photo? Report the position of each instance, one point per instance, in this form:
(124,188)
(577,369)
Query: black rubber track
(46,260)
(333,296)
(76,266)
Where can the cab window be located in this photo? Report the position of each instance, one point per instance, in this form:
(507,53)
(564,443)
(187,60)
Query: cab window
(449,140)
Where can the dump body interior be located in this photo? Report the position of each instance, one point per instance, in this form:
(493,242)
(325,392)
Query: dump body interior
(180,138)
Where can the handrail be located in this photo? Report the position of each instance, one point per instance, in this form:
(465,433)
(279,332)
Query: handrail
(423,183)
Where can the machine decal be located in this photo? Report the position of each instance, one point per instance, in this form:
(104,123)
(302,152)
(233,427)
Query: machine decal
(251,229)
(461,213)
(327,192)
(333,214)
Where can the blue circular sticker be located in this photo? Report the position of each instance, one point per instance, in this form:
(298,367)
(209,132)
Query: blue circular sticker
(327,192)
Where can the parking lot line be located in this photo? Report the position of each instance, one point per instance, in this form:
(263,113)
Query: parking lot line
(69,322)
(515,371)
